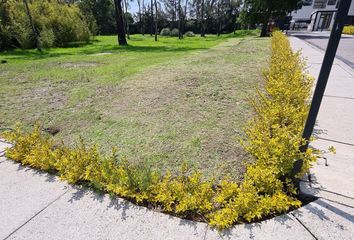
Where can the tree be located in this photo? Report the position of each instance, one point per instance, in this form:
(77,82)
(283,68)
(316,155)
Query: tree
(262,10)
(170,7)
(151,17)
(103,13)
(202,32)
(127,18)
(141,9)
(180,19)
(184,16)
(34,31)
(120,22)
(155,20)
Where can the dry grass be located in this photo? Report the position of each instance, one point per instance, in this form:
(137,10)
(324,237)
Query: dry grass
(190,108)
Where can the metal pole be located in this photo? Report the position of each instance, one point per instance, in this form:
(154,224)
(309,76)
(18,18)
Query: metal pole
(330,54)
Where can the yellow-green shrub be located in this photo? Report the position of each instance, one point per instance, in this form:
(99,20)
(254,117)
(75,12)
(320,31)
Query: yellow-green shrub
(273,138)
(57,23)
(274,135)
(348,30)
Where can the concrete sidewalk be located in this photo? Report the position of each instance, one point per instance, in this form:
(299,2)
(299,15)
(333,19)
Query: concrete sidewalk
(345,50)
(35,205)
(334,175)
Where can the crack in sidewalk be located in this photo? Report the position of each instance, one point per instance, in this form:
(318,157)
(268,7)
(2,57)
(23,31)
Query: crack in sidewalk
(304,226)
(35,215)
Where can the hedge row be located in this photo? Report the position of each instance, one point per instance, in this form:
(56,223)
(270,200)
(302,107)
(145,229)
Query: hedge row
(348,30)
(273,139)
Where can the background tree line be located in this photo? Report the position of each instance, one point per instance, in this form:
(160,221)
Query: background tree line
(48,23)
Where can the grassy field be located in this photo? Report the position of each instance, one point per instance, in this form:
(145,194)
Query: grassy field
(164,103)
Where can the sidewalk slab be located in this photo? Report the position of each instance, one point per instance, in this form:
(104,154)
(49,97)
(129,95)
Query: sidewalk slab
(336,119)
(39,206)
(285,227)
(327,220)
(332,215)
(82,214)
(333,176)
(24,192)
(3,146)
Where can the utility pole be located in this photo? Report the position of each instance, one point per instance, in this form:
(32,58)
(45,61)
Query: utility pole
(329,57)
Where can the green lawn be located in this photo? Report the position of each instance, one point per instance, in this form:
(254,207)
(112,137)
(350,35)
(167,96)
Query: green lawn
(165,103)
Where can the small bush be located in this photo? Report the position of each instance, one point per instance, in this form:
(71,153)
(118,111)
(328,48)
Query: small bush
(174,32)
(190,34)
(47,38)
(165,32)
(348,30)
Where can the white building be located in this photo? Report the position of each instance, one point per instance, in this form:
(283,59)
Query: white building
(318,15)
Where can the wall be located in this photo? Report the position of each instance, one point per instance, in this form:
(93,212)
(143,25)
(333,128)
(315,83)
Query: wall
(306,11)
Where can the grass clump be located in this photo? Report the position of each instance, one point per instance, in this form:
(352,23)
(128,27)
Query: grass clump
(273,138)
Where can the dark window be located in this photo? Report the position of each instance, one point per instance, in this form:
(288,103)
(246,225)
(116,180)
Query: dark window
(307,2)
(331,2)
(337,3)
(320,4)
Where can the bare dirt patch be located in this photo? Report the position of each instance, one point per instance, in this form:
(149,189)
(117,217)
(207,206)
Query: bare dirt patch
(78,64)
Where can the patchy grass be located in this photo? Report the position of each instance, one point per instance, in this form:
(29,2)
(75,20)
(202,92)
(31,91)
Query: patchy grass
(166,103)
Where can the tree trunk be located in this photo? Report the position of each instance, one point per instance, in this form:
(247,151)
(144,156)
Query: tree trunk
(142,23)
(202,31)
(126,18)
(264,31)
(184,17)
(152,17)
(139,14)
(180,34)
(155,21)
(219,19)
(34,31)
(120,22)
(174,13)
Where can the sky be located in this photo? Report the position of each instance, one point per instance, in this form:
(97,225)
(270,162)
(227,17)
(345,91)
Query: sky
(133,7)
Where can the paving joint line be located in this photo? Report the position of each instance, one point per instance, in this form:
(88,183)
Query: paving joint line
(335,193)
(304,226)
(35,215)
(334,201)
(332,96)
(4,141)
(340,142)
(206,232)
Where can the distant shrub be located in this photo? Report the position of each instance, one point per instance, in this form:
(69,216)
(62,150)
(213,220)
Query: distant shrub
(47,38)
(174,32)
(348,30)
(190,34)
(58,22)
(165,32)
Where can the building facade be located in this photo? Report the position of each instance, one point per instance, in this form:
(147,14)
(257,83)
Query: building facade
(318,15)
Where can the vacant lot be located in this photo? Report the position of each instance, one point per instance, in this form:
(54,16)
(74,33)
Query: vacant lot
(164,103)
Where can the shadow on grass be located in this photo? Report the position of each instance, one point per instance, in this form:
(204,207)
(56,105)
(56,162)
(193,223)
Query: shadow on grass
(100,46)
(35,55)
